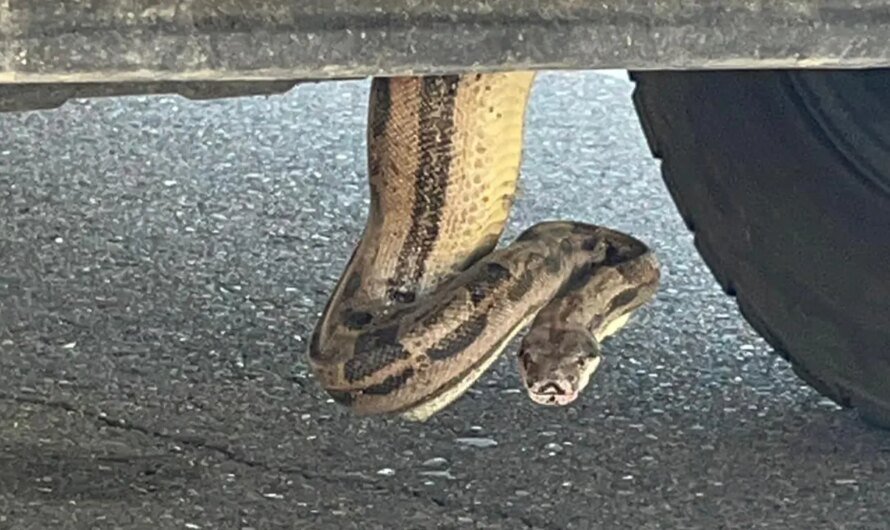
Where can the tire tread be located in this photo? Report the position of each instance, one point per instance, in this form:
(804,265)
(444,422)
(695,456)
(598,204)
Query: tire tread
(873,410)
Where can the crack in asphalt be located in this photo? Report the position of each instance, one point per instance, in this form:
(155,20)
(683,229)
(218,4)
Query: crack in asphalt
(229,454)
(101,417)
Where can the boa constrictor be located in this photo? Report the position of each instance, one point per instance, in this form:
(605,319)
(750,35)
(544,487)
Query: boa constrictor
(426,303)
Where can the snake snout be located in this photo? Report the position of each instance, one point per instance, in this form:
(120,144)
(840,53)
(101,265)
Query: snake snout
(551,392)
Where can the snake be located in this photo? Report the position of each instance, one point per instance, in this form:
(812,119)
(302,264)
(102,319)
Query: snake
(428,299)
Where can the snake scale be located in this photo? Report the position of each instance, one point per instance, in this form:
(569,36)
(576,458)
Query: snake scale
(427,302)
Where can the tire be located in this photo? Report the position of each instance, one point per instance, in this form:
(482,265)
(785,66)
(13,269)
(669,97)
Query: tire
(784,177)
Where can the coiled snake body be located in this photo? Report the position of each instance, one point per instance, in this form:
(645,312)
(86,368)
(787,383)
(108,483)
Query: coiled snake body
(426,304)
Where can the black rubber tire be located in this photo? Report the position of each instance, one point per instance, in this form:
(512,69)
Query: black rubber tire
(784,177)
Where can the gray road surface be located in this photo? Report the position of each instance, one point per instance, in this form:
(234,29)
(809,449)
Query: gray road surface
(163,262)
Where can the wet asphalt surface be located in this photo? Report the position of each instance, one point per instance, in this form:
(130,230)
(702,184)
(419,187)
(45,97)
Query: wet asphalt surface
(162,265)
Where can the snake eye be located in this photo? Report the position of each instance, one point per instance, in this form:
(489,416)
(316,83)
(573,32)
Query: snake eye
(524,360)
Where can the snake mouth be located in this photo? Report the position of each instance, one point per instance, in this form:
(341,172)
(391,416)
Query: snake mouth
(552,393)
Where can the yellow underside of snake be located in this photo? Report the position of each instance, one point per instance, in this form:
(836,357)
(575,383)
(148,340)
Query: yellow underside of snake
(427,303)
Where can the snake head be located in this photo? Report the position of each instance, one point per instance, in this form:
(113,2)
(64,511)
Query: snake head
(555,365)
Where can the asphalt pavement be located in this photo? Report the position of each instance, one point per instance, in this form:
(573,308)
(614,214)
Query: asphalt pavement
(163,263)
